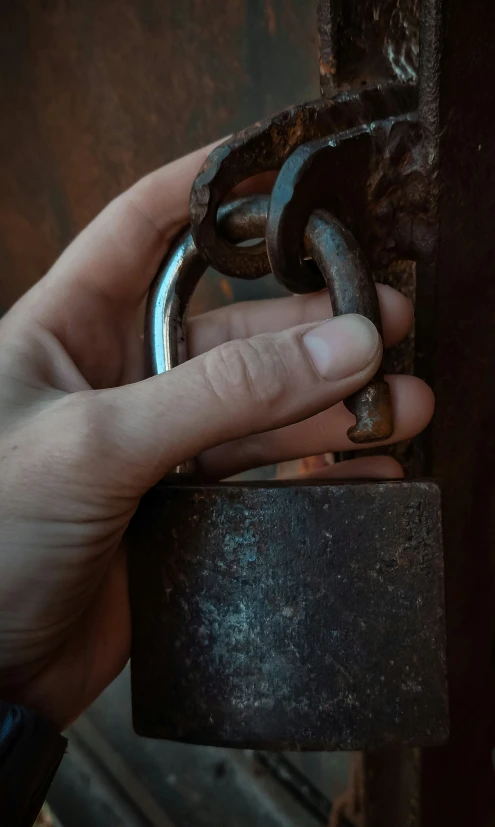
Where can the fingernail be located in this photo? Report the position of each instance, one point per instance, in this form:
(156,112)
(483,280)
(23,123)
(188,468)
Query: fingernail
(342,346)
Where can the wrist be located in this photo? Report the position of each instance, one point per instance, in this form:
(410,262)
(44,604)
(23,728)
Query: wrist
(31,749)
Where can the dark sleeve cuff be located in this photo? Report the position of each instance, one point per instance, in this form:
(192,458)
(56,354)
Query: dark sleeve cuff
(31,750)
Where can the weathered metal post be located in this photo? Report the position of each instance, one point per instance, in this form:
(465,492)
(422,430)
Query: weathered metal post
(447,46)
(457,307)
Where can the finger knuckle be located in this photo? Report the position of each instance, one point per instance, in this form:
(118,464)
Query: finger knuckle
(247,370)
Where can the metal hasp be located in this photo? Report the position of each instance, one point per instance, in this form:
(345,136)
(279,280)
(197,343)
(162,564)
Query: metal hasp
(282,616)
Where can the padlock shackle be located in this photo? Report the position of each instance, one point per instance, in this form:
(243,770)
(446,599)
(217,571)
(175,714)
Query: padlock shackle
(178,276)
(339,259)
(168,301)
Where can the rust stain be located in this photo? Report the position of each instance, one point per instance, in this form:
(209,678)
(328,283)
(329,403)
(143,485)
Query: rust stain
(265,147)
(328,67)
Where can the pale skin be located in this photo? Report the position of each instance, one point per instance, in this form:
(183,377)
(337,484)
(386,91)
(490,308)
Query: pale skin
(83,433)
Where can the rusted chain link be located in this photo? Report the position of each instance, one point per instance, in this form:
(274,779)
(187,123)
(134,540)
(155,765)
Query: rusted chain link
(269,145)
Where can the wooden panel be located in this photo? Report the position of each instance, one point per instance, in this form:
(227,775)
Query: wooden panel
(95,93)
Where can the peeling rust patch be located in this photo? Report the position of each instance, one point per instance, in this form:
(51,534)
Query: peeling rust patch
(268,146)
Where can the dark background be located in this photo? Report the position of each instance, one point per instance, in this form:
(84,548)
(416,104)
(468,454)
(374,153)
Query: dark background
(96,93)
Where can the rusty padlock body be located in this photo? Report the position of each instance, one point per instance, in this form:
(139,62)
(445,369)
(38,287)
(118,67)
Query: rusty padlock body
(303,616)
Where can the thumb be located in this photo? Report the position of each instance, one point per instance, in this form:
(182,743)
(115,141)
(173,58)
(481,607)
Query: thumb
(239,388)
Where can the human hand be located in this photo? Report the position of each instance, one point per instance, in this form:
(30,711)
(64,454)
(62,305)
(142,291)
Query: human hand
(83,433)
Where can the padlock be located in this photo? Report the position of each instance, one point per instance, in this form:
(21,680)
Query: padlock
(275,615)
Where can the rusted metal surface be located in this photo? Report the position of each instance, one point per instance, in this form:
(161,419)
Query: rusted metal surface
(266,146)
(363,41)
(370,190)
(401,358)
(380,187)
(257,632)
(339,261)
(347,274)
(377,174)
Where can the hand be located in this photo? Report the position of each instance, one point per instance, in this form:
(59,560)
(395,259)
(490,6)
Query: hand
(83,434)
